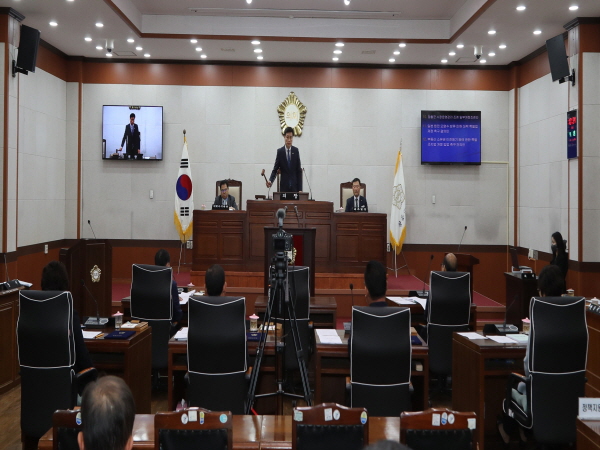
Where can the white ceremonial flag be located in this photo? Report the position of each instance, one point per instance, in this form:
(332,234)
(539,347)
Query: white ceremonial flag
(398,214)
(184,200)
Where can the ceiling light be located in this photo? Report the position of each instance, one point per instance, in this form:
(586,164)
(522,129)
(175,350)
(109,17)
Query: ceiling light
(260,57)
(99,24)
(53,24)
(573,8)
(502,46)
(70,0)
(257,50)
(99,47)
(139,49)
(346,2)
(109,55)
(335,58)
(337,52)
(339,44)
(521,8)
(88,39)
(491,54)
(460,45)
(396,53)
(537,32)
(482,61)
(392,60)
(194,41)
(131,40)
(198,49)
(203,56)
(492,32)
(452,53)
(444,61)
(402,45)
(248,1)
(255,42)
(146,55)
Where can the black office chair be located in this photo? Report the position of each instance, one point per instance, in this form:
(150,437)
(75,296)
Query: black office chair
(448,310)
(66,425)
(193,429)
(557,356)
(46,349)
(151,302)
(329,426)
(380,360)
(217,353)
(438,429)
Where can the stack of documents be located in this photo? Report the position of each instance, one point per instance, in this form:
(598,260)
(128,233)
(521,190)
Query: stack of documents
(328,336)
(184,297)
(182,334)
(404,301)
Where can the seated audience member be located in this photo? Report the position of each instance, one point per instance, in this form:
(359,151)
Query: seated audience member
(356,203)
(225,199)
(107,415)
(376,283)
(162,258)
(55,278)
(215,281)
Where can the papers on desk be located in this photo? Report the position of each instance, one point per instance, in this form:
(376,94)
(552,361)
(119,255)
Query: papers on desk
(520,338)
(502,339)
(185,297)
(401,301)
(328,336)
(182,334)
(472,336)
(90,334)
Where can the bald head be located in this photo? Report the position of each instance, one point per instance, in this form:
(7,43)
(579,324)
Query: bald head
(449,263)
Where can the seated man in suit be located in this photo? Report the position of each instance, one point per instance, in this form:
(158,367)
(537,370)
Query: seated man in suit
(356,203)
(107,415)
(162,258)
(225,199)
(214,280)
(376,283)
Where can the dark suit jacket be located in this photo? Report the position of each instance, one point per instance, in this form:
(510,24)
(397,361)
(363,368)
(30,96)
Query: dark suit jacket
(133,140)
(291,174)
(362,202)
(230,201)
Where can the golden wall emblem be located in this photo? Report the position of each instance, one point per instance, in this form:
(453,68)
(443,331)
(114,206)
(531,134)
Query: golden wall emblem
(95,273)
(292,113)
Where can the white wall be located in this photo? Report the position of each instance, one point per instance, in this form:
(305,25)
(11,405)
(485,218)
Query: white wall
(233,133)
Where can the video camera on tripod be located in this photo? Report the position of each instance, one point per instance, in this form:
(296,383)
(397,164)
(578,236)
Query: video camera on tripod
(282,244)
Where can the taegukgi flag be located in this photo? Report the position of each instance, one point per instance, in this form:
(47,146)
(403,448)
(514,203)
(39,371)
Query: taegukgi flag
(398,214)
(184,200)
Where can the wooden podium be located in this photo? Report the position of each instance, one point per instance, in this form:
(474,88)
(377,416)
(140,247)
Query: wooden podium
(80,259)
(465,263)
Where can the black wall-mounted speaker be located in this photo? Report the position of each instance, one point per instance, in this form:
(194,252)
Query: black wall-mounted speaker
(28,48)
(557,56)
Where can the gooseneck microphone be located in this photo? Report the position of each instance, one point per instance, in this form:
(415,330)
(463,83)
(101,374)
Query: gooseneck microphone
(90,224)
(352,293)
(94,322)
(504,329)
(423,293)
(281,216)
(461,239)
(297,215)
(308,182)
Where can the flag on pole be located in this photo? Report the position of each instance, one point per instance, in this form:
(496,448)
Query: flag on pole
(184,200)
(398,214)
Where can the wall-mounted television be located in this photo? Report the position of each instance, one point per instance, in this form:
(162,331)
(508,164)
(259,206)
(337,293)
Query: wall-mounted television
(137,139)
(451,137)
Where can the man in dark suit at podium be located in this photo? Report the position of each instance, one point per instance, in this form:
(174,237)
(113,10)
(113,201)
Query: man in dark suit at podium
(132,137)
(356,203)
(288,162)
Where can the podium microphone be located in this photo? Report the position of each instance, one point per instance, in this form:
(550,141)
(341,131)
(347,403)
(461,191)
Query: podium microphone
(348,325)
(461,239)
(308,182)
(90,224)
(94,322)
(424,293)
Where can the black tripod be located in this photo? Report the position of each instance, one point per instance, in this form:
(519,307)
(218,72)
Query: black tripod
(279,295)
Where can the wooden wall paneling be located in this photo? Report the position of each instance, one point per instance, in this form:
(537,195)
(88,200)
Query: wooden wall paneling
(306,77)
(533,69)
(52,62)
(356,78)
(156,73)
(207,75)
(406,79)
(257,76)
(470,79)
(7,339)
(589,37)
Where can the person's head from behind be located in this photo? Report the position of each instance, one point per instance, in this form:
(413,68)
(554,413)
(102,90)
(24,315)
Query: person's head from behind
(551,282)
(131,118)
(224,186)
(375,280)
(558,243)
(55,277)
(162,258)
(288,135)
(386,445)
(107,415)
(449,263)
(215,280)
(356,187)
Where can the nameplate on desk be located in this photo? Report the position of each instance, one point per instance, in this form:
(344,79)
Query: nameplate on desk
(220,207)
(589,408)
(289,196)
(360,209)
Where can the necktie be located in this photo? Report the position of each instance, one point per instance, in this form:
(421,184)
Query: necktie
(288,156)
(355,202)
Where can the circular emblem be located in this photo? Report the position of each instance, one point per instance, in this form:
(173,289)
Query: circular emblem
(184,418)
(444,418)
(78,418)
(363,417)
(292,113)
(223,418)
(95,273)
(450,418)
(184,187)
(336,414)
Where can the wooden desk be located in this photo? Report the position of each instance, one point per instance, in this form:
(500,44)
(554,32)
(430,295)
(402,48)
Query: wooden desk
(332,366)
(588,434)
(480,370)
(519,292)
(9,366)
(130,359)
(250,432)
(417,313)
(323,310)
(592,387)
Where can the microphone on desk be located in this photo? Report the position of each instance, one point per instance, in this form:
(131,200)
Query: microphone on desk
(94,322)
(281,216)
(423,293)
(297,216)
(461,239)
(308,182)
(348,325)
(352,293)
(504,329)
(90,224)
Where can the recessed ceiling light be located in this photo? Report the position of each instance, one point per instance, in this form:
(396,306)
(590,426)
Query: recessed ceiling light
(260,57)
(99,24)
(70,0)
(131,40)
(248,1)
(146,55)
(139,49)
(88,39)
(502,46)
(392,60)
(255,42)
(397,52)
(573,8)
(491,54)
(198,49)
(452,53)
(337,52)
(492,32)
(402,45)
(482,61)
(444,61)
(257,50)
(335,58)
(203,56)
(99,47)
(339,44)
(537,32)
(194,41)
(460,45)
(53,24)
(521,8)
(346,2)
(109,55)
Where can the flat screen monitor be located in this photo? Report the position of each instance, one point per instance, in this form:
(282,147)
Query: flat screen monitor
(142,141)
(451,137)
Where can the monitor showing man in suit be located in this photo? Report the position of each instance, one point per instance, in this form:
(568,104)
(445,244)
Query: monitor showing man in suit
(132,137)
(224,198)
(356,203)
(288,162)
